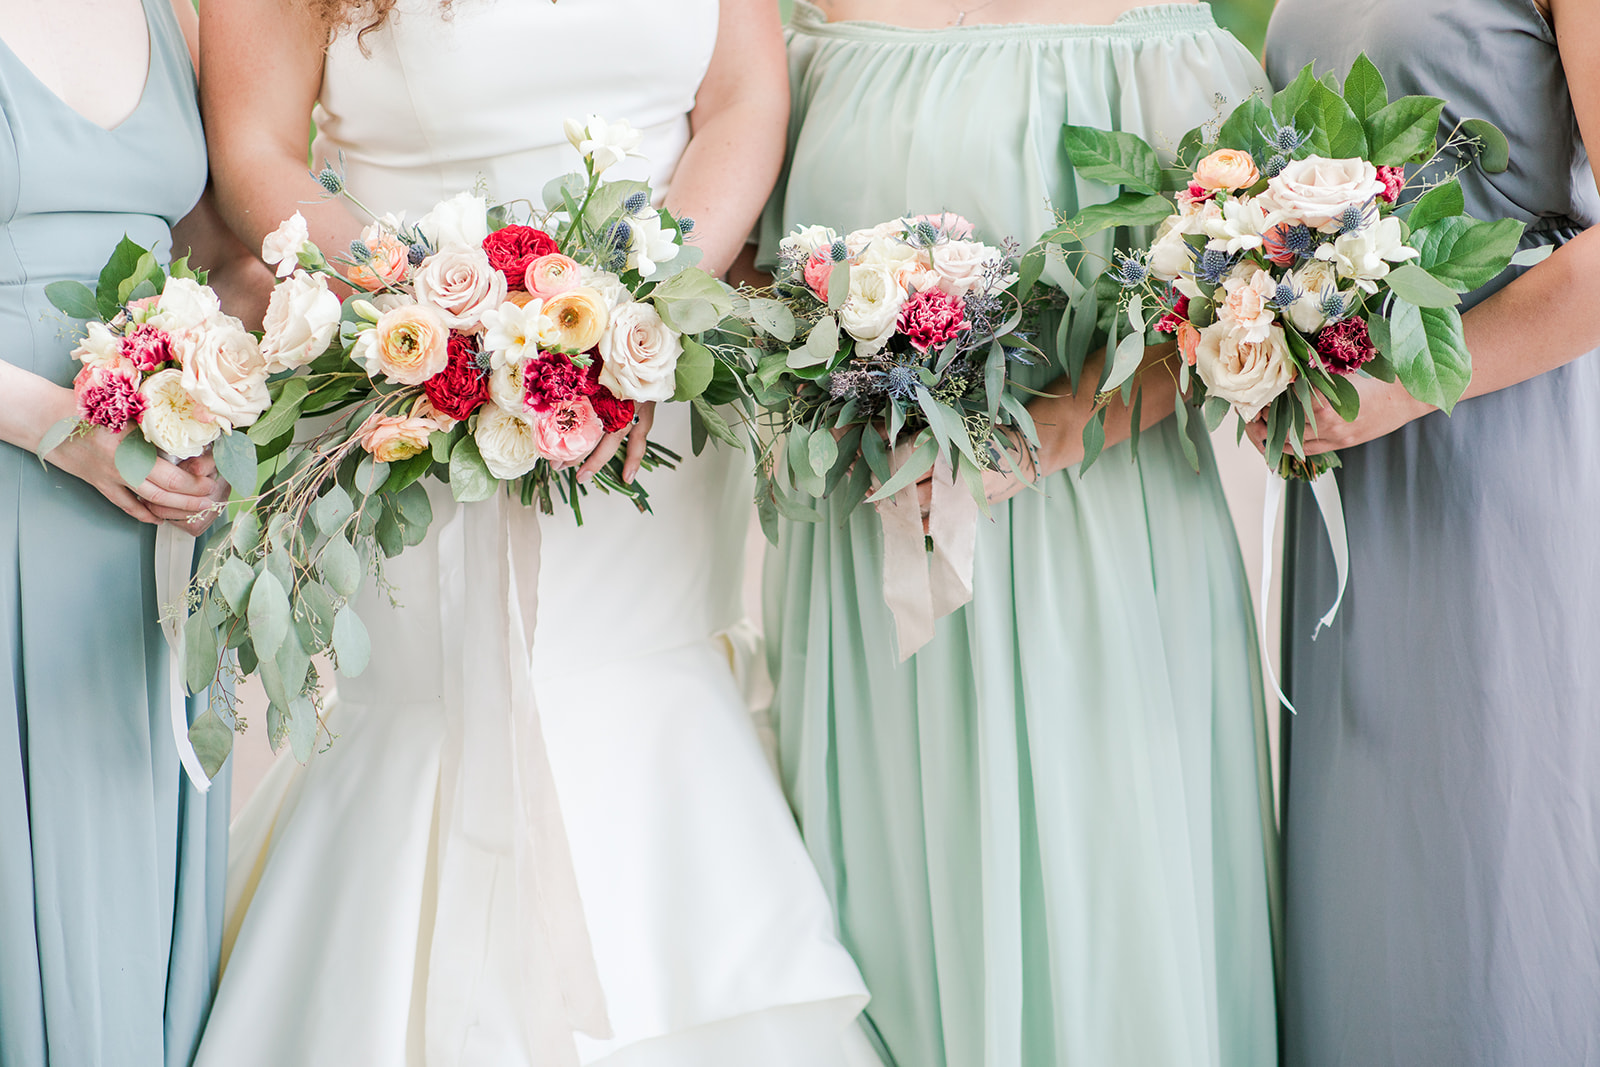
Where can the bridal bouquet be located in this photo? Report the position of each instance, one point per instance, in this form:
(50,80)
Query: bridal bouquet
(488,347)
(1297,254)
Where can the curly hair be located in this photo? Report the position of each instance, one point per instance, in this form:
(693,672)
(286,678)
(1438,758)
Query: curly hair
(368,14)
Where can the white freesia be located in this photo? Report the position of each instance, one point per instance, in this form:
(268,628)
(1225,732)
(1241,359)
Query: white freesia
(227,373)
(508,443)
(1364,256)
(302,318)
(458,223)
(1247,374)
(606,143)
(1171,256)
(608,285)
(1238,226)
(1311,282)
(639,354)
(873,306)
(650,243)
(174,421)
(513,334)
(807,239)
(99,347)
(185,304)
(461,284)
(281,249)
(1316,190)
(507,389)
(1244,305)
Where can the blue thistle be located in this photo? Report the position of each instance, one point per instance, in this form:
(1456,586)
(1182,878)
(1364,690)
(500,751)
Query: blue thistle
(619,234)
(1275,165)
(1334,305)
(926,232)
(1283,296)
(330,179)
(359,252)
(1286,139)
(636,203)
(619,261)
(483,360)
(417,253)
(1131,271)
(1300,241)
(839,251)
(686,225)
(1214,266)
(1357,217)
(903,382)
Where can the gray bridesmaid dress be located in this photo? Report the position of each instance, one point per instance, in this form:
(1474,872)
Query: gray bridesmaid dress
(111,865)
(1443,781)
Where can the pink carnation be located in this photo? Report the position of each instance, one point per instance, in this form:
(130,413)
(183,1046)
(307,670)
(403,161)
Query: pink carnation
(570,431)
(1179,315)
(1393,179)
(147,347)
(930,318)
(818,269)
(551,379)
(1345,346)
(109,396)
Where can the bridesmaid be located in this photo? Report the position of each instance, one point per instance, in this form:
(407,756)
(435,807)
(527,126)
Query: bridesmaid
(110,863)
(1443,807)
(1049,834)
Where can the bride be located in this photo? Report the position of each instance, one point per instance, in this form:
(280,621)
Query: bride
(408,896)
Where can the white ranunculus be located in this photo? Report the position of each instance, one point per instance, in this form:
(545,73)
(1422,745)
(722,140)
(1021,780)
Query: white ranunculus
(608,143)
(639,354)
(174,421)
(1364,256)
(458,223)
(99,347)
(1316,190)
(302,318)
(281,249)
(1238,226)
(650,243)
(227,373)
(608,285)
(506,388)
(1170,255)
(462,285)
(509,443)
(873,306)
(1311,282)
(1247,374)
(807,239)
(185,304)
(513,334)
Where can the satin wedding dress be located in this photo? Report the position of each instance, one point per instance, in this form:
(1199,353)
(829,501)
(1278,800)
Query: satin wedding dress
(407,898)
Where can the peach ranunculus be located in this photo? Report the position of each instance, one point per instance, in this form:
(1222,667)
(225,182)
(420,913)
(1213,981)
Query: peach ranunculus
(1226,169)
(388,262)
(1188,341)
(461,284)
(391,438)
(409,345)
(551,275)
(580,318)
(569,431)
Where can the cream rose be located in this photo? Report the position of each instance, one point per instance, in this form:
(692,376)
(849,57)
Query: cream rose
(1247,374)
(185,304)
(409,345)
(1315,191)
(226,372)
(99,347)
(302,318)
(462,222)
(807,239)
(1170,255)
(1226,169)
(639,354)
(963,266)
(870,312)
(461,285)
(508,443)
(174,421)
(1244,306)
(281,249)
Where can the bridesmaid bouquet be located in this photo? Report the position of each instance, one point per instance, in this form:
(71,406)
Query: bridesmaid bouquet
(1297,254)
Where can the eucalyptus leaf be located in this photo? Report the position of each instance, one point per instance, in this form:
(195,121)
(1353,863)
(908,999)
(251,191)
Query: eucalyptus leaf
(715,424)
(920,462)
(1094,441)
(316,605)
(246,532)
(370,475)
(1129,354)
(1185,438)
(1494,151)
(838,285)
(351,644)
(390,533)
(199,653)
(1531,257)
(1215,409)
(302,727)
(57,435)
(73,298)
(822,451)
(332,510)
(234,582)
(268,614)
(235,456)
(281,566)
(340,566)
(695,367)
(135,457)
(293,661)
(822,344)
(212,740)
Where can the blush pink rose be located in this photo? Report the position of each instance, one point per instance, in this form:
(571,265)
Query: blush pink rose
(950,224)
(569,431)
(551,275)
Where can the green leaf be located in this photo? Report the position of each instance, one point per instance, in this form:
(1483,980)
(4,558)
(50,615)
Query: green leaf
(1429,353)
(235,455)
(145,270)
(838,285)
(212,740)
(1113,157)
(1129,209)
(822,344)
(370,475)
(773,317)
(1190,452)
(234,581)
(823,452)
(1415,285)
(124,258)
(246,532)
(695,367)
(715,424)
(1215,409)
(390,533)
(340,566)
(281,566)
(1029,270)
(1527,257)
(1243,130)
(689,315)
(916,465)
(1094,441)
(332,510)
(268,614)
(1467,253)
(302,727)
(135,457)
(74,298)
(1441,202)
(351,644)
(1334,130)
(57,435)
(945,423)
(281,416)
(1129,354)
(199,652)
(1286,102)
(316,604)
(1406,131)
(292,662)
(1342,396)
(1364,89)
(1494,151)
(692,284)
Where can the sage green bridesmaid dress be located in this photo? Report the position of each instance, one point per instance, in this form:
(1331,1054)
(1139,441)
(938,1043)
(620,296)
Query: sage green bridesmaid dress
(1049,835)
(111,864)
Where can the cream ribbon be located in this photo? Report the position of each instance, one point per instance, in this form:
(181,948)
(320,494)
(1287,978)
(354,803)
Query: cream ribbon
(500,819)
(922,587)
(174,563)
(1325,490)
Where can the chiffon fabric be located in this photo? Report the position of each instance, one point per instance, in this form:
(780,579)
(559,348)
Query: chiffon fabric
(356,937)
(111,863)
(1049,835)
(1441,803)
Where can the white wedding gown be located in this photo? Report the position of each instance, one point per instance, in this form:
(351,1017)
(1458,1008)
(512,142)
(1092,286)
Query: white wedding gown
(405,898)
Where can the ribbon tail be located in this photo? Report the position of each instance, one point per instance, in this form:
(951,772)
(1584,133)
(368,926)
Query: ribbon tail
(1325,488)
(905,569)
(174,558)
(953,527)
(1269,531)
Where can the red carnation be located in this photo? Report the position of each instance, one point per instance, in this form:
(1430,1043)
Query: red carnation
(1345,346)
(512,248)
(1393,179)
(930,318)
(147,347)
(463,386)
(1179,315)
(550,379)
(109,396)
(615,412)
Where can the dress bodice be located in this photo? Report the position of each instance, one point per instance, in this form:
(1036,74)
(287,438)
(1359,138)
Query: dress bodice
(436,100)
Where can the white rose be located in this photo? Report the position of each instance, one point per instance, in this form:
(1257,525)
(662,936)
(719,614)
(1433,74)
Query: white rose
(226,372)
(302,318)
(607,143)
(873,306)
(1247,374)
(185,304)
(513,334)
(460,222)
(462,285)
(1364,256)
(608,285)
(281,249)
(807,239)
(856,241)
(650,243)
(99,347)
(640,354)
(1237,226)
(963,266)
(508,443)
(506,388)
(1244,305)
(1170,255)
(1312,281)
(1315,191)
(173,420)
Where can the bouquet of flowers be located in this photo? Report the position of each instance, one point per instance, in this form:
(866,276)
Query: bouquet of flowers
(489,347)
(1296,253)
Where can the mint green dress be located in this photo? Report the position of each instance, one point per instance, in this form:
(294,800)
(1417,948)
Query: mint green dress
(111,863)
(1049,836)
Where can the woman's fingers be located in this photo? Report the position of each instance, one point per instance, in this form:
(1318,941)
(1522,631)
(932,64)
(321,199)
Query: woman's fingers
(125,499)
(151,493)
(638,439)
(171,478)
(602,454)
(203,465)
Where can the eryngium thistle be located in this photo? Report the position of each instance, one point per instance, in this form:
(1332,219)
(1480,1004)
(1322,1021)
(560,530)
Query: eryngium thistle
(330,179)
(636,203)
(1214,265)
(359,252)
(686,225)
(903,382)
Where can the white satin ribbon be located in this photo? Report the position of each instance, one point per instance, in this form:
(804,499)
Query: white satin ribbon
(500,818)
(922,587)
(1325,490)
(174,560)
